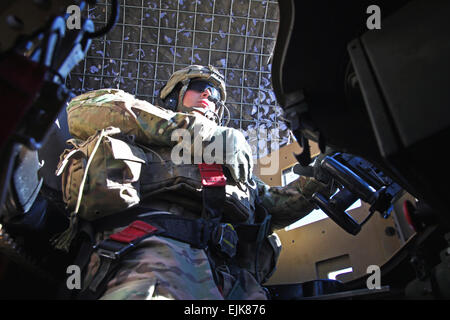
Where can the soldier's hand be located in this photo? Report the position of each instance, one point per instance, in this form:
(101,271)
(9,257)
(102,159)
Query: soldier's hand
(314,170)
(237,154)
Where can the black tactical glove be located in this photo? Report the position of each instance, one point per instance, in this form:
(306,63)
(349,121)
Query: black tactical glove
(315,171)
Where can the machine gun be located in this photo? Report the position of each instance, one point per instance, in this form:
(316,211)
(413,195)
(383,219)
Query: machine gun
(356,179)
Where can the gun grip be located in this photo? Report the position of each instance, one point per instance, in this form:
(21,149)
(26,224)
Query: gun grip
(339,216)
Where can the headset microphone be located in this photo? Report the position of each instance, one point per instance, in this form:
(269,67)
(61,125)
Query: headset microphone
(214,100)
(221,107)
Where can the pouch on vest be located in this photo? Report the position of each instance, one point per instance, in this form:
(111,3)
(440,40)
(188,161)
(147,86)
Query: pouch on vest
(106,170)
(99,178)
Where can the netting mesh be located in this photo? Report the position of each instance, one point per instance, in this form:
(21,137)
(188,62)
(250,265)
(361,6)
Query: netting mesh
(152,39)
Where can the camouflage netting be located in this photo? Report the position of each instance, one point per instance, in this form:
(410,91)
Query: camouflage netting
(153,38)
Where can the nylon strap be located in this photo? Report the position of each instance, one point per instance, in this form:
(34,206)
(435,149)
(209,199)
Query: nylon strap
(213,182)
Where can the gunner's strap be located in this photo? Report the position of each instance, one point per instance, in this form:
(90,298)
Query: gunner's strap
(213,182)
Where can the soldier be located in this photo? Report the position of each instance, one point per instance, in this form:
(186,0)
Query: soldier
(165,229)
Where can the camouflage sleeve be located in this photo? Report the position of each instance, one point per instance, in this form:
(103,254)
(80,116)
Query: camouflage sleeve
(289,203)
(147,123)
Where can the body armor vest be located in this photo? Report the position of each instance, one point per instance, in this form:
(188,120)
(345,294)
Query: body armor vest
(181,185)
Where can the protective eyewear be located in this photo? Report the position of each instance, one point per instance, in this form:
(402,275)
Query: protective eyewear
(201,86)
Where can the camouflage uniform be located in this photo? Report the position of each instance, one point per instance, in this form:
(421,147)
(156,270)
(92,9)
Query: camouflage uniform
(117,138)
(161,268)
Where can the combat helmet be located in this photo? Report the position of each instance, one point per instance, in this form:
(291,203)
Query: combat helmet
(173,91)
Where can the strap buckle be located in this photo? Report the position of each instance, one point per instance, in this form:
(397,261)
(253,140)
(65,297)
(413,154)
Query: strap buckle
(103,250)
(225,239)
(121,242)
(112,249)
(212,175)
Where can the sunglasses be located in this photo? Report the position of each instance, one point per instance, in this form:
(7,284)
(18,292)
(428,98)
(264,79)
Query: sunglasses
(202,85)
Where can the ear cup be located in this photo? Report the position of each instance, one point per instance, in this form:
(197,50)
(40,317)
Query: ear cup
(171,101)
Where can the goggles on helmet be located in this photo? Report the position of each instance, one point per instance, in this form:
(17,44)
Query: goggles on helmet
(202,85)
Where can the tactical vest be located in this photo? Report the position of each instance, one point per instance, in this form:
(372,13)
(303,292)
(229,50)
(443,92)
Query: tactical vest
(181,184)
(115,174)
